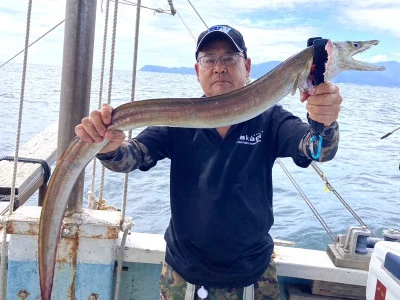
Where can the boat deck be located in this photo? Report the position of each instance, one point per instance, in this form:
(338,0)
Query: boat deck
(290,261)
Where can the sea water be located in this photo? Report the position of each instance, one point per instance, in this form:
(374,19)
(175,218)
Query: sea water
(365,171)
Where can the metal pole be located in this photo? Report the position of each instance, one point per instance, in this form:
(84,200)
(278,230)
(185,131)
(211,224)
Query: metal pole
(80,18)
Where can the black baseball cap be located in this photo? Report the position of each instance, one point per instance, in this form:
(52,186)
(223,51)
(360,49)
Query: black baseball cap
(225,31)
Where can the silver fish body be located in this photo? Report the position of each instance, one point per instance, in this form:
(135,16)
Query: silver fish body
(210,112)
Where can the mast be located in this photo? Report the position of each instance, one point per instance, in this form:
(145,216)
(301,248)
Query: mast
(80,17)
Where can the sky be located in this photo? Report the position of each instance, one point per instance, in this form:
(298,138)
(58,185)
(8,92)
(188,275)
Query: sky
(273,29)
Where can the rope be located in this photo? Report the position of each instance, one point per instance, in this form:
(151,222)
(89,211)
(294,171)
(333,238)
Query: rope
(42,36)
(103,169)
(103,59)
(332,189)
(21,102)
(92,200)
(315,212)
(12,199)
(110,80)
(133,91)
(187,28)
(112,50)
(91,195)
(127,222)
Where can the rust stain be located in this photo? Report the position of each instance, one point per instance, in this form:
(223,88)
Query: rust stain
(12,229)
(70,246)
(99,236)
(23,294)
(9,228)
(67,259)
(33,229)
(112,232)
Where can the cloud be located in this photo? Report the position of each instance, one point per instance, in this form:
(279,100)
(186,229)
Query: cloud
(251,5)
(276,44)
(371,15)
(377,58)
(273,29)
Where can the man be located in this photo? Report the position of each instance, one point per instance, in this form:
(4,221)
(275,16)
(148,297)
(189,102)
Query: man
(221,179)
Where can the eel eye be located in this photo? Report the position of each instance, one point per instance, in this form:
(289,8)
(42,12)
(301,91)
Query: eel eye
(356,45)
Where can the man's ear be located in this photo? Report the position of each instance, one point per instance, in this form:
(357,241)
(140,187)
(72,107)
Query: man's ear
(196,67)
(248,66)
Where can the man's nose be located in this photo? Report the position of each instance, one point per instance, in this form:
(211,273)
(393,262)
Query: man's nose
(219,66)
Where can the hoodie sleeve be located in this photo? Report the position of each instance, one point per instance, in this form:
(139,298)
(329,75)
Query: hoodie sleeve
(330,143)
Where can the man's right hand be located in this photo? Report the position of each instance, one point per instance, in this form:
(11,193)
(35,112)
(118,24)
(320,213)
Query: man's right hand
(93,129)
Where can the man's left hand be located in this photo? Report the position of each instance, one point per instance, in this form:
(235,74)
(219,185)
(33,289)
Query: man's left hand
(324,105)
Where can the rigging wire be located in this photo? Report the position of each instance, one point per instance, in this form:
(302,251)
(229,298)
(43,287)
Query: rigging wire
(332,189)
(156,10)
(126,2)
(198,13)
(310,205)
(42,36)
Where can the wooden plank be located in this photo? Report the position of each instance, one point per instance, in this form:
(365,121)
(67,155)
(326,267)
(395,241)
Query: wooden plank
(302,292)
(29,175)
(333,289)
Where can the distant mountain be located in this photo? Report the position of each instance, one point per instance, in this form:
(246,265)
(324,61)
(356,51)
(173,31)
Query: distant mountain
(258,70)
(389,78)
(181,70)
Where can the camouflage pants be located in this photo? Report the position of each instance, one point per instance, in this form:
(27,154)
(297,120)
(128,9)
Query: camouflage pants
(173,287)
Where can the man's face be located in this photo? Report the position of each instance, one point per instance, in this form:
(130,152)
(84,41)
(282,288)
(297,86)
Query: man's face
(222,79)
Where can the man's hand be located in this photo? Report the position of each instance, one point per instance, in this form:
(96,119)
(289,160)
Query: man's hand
(93,129)
(324,105)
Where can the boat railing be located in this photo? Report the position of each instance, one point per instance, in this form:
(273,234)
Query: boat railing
(33,170)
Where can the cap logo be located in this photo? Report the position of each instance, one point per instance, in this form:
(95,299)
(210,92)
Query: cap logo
(234,35)
(224,29)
